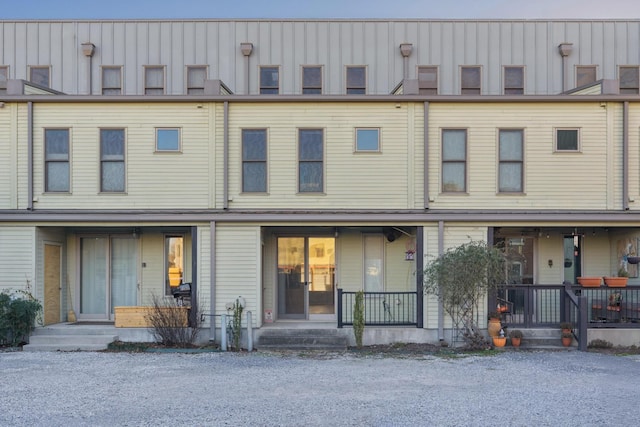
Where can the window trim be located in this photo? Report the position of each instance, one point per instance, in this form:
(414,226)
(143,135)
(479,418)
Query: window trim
(261,86)
(302,86)
(103,87)
(479,88)
(265,161)
(164,79)
(379,144)
(420,88)
(521,161)
(555,140)
(186,80)
(465,190)
(160,128)
(123,161)
(323,160)
(636,88)
(45,161)
(346,79)
(579,66)
(4,88)
(504,80)
(41,67)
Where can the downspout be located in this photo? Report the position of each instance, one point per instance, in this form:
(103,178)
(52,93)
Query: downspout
(425,168)
(225,156)
(246,48)
(212,281)
(420,277)
(440,306)
(565,49)
(625,155)
(88,50)
(30,155)
(405,51)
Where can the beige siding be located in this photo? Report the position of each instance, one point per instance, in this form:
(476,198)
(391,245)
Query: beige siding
(352,180)
(350,261)
(17,259)
(153,180)
(238,267)
(7,156)
(551,180)
(430,235)
(19,140)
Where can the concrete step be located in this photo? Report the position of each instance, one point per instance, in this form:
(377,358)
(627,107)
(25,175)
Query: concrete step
(71,337)
(301,339)
(542,339)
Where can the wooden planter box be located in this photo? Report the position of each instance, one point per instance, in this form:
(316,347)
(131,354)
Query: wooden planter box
(136,316)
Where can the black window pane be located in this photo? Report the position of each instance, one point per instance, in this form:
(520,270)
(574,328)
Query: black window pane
(513,77)
(269,77)
(567,139)
(311,77)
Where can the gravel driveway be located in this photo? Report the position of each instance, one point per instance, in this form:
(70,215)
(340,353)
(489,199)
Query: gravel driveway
(271,389)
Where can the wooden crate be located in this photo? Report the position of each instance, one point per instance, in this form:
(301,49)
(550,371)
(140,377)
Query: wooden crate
(136,316)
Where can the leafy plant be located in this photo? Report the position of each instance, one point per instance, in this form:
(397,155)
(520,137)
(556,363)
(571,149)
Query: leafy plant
(516,333)
(358,318)
(461,278)
(600,343)
(18,314)
(169,323)
(622,272)
(567,335)
(236,324)
(566,325)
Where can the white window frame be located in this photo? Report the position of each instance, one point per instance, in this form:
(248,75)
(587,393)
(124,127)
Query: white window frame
(102,83)
(555,140)
(378,148)
(154,88)
(178,149)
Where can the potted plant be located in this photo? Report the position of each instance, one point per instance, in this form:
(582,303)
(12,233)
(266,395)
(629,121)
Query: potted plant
(566,327)
(590,281)
(500,340)
(567,339)
(494,325)
(516,337)
(618,282)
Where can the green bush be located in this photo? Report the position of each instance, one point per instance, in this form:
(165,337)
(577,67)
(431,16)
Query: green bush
(18,314)
(358,318)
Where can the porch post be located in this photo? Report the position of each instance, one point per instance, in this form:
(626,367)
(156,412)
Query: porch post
(419,277)
(583,315)
(340,308)
(193,313)
(440,306)
(212,281)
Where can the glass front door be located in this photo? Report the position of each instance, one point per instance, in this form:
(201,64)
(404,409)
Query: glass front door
(108,275)
(306,278)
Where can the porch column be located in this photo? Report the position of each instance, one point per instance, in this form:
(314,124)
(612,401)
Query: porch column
(440,307)
(193,314)
(419,277)
(212,281)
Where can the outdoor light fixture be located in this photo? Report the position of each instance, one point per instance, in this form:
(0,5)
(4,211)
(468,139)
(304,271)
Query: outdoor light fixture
(550,262)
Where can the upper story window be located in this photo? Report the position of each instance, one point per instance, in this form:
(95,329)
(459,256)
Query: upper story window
(567,140)
(454,160)
(356,80)
(428,80)
(511,157)
(168,139)
(196,75)
(629,81)
(585,74)
(112,168)
(4,76)
(311,80)
(368,140)
(470,78)
(514,80)
(254,160)
(269,80)
(154,80)
(311,160)
(56,160)
(39,75)
(112,80)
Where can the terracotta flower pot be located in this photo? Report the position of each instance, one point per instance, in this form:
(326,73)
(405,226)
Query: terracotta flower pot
(566,341)
(516,342)
(590,282)
(616,282)
(499,341)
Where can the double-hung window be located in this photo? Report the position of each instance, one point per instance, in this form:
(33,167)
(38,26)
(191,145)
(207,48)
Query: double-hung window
(196,75)
(311,80)
(40,75)
(428,80)
(356,80)
(269,80)
(513,80)
(310,160)
(454,160)
(112,80)
(112,167)
(254,160)
(511,159)
(585,74)
(470,81)
(154,80)
(629,80)
(56,160)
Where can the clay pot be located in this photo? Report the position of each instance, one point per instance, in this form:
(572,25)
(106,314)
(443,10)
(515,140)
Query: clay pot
(494,327)
(516,342)
(499,341)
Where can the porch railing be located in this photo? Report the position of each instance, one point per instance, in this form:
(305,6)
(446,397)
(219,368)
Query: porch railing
(380,308)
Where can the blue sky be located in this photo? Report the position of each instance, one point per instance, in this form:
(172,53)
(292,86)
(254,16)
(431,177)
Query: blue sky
(437,9)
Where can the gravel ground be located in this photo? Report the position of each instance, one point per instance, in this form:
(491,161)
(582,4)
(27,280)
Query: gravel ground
(289,389)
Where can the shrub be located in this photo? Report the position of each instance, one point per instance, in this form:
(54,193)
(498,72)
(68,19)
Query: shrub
(598,343)
(516,333)
(169,324)
(18,314)
(236,324)
(358,318)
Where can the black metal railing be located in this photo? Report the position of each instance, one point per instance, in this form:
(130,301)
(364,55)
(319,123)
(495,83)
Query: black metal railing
(380,308)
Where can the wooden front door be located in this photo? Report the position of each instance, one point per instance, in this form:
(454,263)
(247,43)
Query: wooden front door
(52,283)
